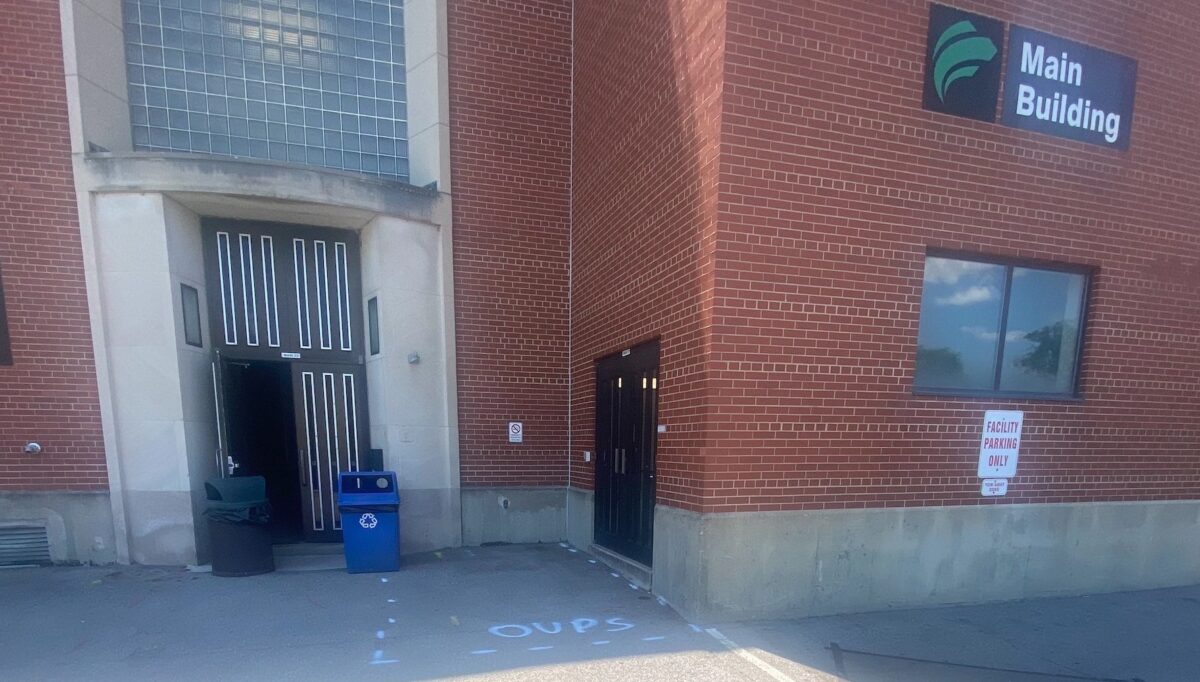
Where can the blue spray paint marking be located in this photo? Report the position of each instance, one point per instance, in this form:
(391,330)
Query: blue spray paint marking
(378,659)
(579,625)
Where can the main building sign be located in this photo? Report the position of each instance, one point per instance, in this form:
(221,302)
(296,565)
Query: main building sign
(1051,85)
(1064,88)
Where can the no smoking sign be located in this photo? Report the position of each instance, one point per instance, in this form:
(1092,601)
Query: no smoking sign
(516,432)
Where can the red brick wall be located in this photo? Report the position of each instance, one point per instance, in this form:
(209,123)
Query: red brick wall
(834,183)
(647,106)
(49,394)
(510,118)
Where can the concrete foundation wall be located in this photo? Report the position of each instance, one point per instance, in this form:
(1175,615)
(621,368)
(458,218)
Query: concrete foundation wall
(581,519)
(808,563)
(513,515)
(78,525)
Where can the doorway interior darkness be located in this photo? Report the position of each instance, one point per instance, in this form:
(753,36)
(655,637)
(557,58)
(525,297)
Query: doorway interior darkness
(626,437)
(261,433)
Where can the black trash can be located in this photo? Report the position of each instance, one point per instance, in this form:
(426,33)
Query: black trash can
(237,513)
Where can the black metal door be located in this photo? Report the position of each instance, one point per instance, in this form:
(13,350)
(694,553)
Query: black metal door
(281,291)
(626,435)
(289,293)
(331,437)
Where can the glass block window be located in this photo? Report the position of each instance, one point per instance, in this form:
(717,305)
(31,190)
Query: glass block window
(318,82)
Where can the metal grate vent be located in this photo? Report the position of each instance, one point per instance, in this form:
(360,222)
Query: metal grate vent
(24,545)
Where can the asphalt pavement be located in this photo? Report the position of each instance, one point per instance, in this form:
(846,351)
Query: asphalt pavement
(546,612)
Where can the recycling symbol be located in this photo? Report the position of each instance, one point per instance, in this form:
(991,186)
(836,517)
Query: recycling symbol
(368,521)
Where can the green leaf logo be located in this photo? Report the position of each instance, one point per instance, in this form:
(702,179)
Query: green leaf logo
(958,53)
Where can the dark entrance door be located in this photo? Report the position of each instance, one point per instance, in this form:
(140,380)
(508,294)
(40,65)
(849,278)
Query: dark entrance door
(331,435)
(298,425)
(285,315)
(626,434)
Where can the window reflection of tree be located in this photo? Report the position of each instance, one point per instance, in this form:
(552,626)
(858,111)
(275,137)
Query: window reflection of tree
(939,364)
(1047,357)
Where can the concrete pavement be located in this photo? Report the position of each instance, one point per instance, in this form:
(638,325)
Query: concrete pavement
(538,612)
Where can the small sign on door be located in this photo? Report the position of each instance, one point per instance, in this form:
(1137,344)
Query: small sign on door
(516,432)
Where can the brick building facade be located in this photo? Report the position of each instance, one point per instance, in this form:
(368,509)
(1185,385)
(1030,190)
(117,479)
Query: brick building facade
(48,392)
(752,196)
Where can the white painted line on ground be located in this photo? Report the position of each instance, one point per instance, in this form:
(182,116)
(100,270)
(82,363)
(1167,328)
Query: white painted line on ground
(479,652)
(379,634)
(392,621)
(653,639)
(591,561)
(383,580)
(602,641)
(662,602)
(572,550)
(562,544)
(695,628)
(540,648)
(632,586)
(391,601)
(757,662)
(615,575)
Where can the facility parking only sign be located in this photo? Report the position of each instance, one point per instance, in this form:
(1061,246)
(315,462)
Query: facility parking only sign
(1001,443)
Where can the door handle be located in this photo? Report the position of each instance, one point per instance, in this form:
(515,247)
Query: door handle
(231,464)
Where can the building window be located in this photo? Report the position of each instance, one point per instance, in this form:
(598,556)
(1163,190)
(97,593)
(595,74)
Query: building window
(307,82)
(6,357)
(1002,328)
(373,324)
(191,316)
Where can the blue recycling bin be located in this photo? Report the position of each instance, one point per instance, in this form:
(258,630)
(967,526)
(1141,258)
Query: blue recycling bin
(370,504)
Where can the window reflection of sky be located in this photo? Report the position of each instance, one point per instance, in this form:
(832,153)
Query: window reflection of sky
(960,320)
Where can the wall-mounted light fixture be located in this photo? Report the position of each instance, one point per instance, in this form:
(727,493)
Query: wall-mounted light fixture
(414,358)
(32,448)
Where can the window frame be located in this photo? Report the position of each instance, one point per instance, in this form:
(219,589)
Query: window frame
(1009,263)
(184,290)
(373,341)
